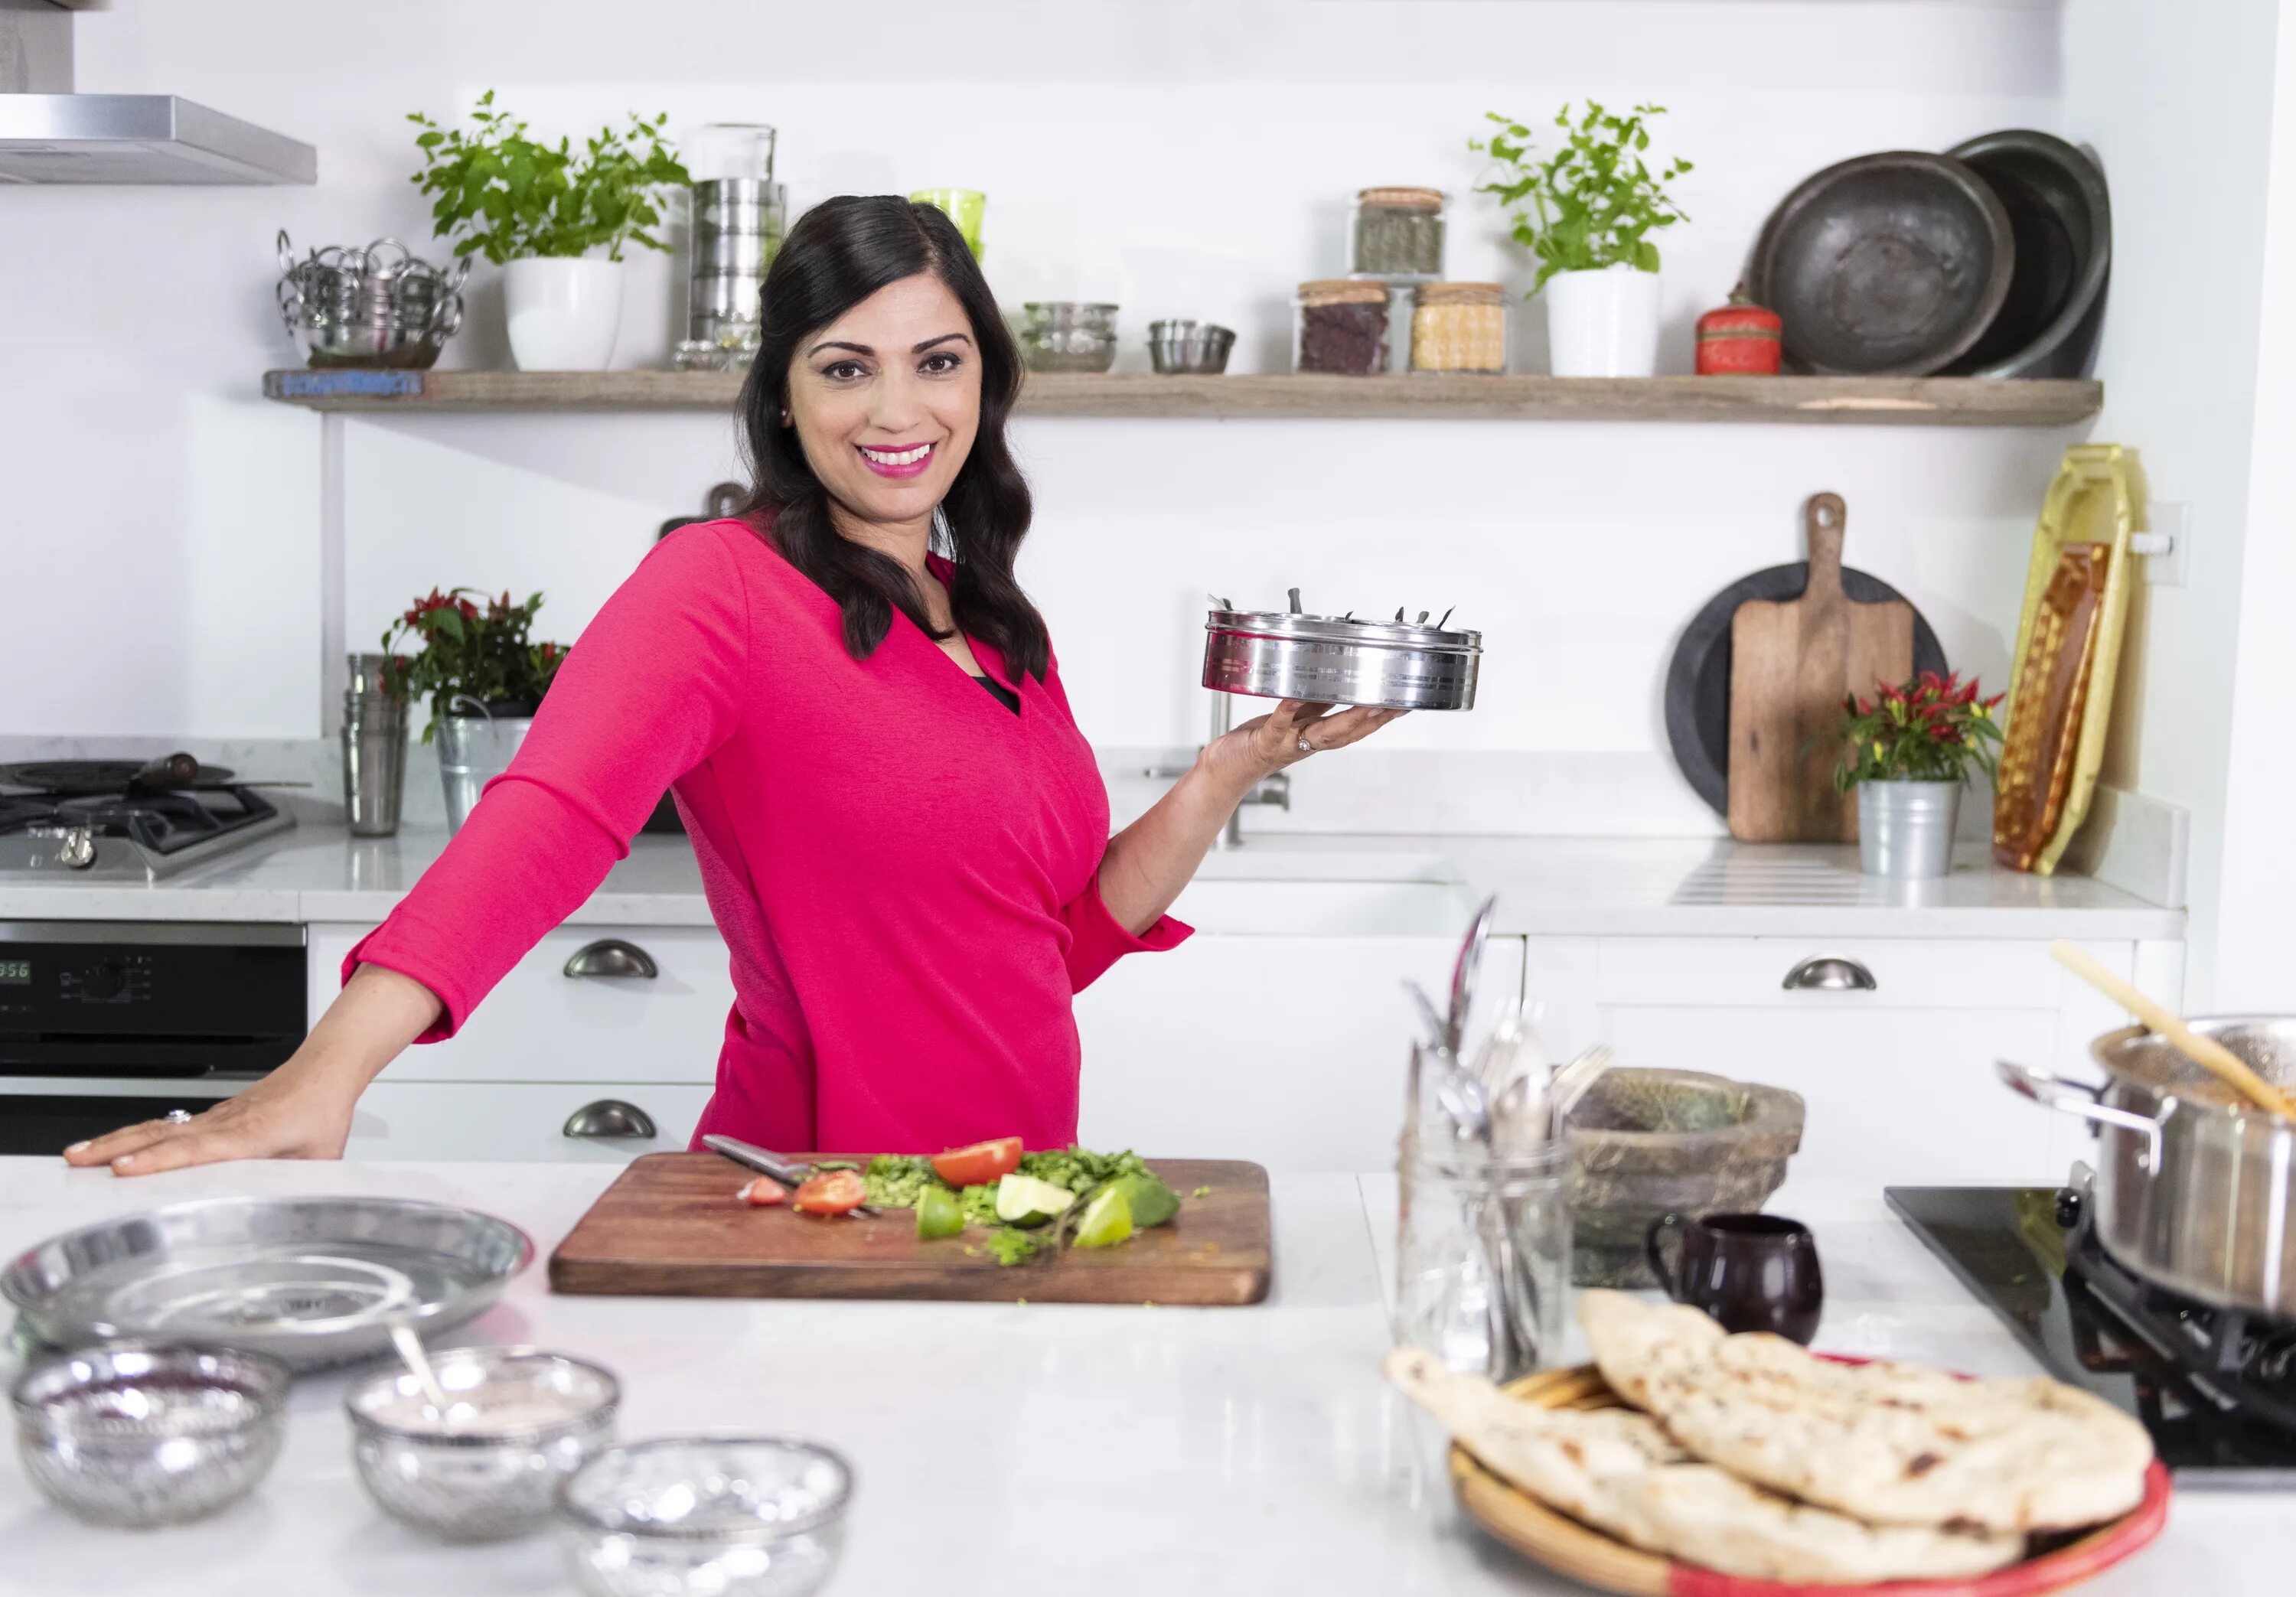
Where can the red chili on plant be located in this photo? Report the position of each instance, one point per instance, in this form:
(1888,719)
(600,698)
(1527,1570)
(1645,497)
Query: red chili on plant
(1932,728)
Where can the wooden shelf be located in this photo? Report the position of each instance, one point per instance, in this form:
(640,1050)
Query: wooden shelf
(1858,401)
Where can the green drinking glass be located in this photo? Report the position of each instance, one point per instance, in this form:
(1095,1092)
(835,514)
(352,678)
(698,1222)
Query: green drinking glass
(963,207)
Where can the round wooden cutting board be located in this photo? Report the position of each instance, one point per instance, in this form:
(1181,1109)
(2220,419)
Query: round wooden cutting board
(1568,1547)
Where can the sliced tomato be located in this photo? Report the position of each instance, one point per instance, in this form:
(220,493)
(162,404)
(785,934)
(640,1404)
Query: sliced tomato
(978,1164)
(833,1192)
(763,1193)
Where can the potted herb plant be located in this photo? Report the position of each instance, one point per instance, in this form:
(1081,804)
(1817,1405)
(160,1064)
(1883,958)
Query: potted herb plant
(484,678)
(1589,214)
(543,213)
(1908,751)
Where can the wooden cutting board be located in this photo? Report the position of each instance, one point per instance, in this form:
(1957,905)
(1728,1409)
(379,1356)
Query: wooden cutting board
(1792,661)
(670,1226)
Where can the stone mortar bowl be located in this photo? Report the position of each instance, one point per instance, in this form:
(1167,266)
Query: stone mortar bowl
(1646,1142)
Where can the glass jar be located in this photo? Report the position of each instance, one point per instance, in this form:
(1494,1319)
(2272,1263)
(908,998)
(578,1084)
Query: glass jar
(737,150)
(1068,335)
(1459,327)
(1397,234)
(1340,326)
(1482,1258)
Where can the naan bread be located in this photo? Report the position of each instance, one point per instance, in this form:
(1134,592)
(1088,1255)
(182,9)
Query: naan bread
(1615,1470)
(1891,1443)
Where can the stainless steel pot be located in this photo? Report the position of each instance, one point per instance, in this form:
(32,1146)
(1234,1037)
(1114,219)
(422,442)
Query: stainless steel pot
(1340,659)
(2196,1189)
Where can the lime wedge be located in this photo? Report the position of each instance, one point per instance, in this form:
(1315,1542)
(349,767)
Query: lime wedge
(1107,1219)
(1024,1200)
(938,1215)
(1151,1202)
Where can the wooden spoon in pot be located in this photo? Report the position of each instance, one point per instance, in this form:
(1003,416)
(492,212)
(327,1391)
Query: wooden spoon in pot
(2207,1053)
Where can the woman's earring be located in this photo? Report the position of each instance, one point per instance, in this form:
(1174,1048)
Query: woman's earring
(785,418)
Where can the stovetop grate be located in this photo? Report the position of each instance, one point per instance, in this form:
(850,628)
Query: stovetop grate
(2214,1388)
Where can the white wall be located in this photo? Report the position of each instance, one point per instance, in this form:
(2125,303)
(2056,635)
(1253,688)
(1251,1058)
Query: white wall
(2253,940)
(2177,100)
(1178,157)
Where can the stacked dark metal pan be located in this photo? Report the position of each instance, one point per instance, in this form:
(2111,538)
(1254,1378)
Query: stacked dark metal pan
(1990,260)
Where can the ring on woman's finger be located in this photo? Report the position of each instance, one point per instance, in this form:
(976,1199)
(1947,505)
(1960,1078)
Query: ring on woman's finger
(1306,747)
(177,1117)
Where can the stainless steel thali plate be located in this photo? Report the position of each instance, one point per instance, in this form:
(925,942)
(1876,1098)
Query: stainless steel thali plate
(312,1281)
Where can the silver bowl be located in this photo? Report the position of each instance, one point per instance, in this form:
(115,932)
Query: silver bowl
(312,1281)
(1184,348)
(734,1515)
(482,1479)
(136,1436)
(376,306)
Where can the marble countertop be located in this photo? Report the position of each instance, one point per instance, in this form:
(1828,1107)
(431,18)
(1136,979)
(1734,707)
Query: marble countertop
(1560,886)
(1113,1449)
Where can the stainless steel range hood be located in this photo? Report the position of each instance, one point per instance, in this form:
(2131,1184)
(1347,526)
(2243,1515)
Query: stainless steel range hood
(50,135)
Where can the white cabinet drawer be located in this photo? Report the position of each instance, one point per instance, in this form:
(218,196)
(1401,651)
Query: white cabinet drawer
(541,1024)
(399,1119)
(1906,973)
(1909,1098)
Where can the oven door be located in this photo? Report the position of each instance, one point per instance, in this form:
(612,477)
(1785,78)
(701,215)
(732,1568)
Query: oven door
(45,1115)
(156,1000)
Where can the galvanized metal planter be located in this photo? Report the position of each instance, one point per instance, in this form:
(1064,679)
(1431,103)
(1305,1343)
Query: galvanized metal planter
(1904,829)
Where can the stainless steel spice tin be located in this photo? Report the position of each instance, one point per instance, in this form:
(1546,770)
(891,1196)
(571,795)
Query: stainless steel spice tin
(1340,659)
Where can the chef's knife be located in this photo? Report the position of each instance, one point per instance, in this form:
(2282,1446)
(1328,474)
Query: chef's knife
(765,1162)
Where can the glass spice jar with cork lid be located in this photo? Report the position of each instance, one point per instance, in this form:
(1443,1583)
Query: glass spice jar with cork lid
(1397,234)
(1459,327)
(1340,326)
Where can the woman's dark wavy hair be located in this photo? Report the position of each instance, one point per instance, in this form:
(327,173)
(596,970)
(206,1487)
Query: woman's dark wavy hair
(840,252)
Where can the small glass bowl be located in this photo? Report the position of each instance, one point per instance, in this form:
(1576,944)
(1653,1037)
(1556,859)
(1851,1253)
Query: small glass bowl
(134,1436)
(1068,335)
(735,1516)
(538,1418)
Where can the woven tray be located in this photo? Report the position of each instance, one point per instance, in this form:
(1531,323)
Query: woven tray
(1554,1539)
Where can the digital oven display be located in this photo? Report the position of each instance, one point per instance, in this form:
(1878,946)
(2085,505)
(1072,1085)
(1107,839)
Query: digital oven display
(15,972)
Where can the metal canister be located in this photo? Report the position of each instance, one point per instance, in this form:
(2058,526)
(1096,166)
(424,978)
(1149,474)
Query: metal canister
(1741,337)
(737,228)
(374,750)
(1340,659)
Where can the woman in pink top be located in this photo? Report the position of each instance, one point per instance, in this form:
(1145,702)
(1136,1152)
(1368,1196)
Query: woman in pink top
(903,835)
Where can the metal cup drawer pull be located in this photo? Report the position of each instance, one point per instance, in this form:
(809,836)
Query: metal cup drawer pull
(1830,973)
(611,1117)
(611,956)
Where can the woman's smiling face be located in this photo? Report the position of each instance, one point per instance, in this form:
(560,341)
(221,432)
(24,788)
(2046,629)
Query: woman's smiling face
(886,400)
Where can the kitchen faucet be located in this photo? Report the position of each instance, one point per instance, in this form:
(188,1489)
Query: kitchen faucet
(1275,790)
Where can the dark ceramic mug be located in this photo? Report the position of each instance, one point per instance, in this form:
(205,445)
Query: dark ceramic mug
(1749,1272)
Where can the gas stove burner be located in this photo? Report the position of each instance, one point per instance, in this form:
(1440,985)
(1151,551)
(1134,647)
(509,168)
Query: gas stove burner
(2272,1366)
(2215,1387)
(122,819)
(89,776)
(2239,1362)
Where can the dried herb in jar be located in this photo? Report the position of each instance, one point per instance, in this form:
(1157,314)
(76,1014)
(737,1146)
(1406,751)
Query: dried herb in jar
(1398,232)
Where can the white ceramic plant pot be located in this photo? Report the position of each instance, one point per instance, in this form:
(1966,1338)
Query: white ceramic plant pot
(564,313)
(1602,324)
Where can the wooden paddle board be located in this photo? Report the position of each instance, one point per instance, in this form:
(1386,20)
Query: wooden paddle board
(1792,663)
(670,1226)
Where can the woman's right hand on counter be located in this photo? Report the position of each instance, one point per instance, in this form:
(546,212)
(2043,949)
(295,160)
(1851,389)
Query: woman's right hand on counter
(300,1111)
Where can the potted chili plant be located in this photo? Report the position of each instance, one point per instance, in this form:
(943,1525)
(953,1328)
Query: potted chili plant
(484,678)
(1589,214)
(1909,750)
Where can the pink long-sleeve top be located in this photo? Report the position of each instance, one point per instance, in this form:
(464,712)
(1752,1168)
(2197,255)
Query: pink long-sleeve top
(905,872)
